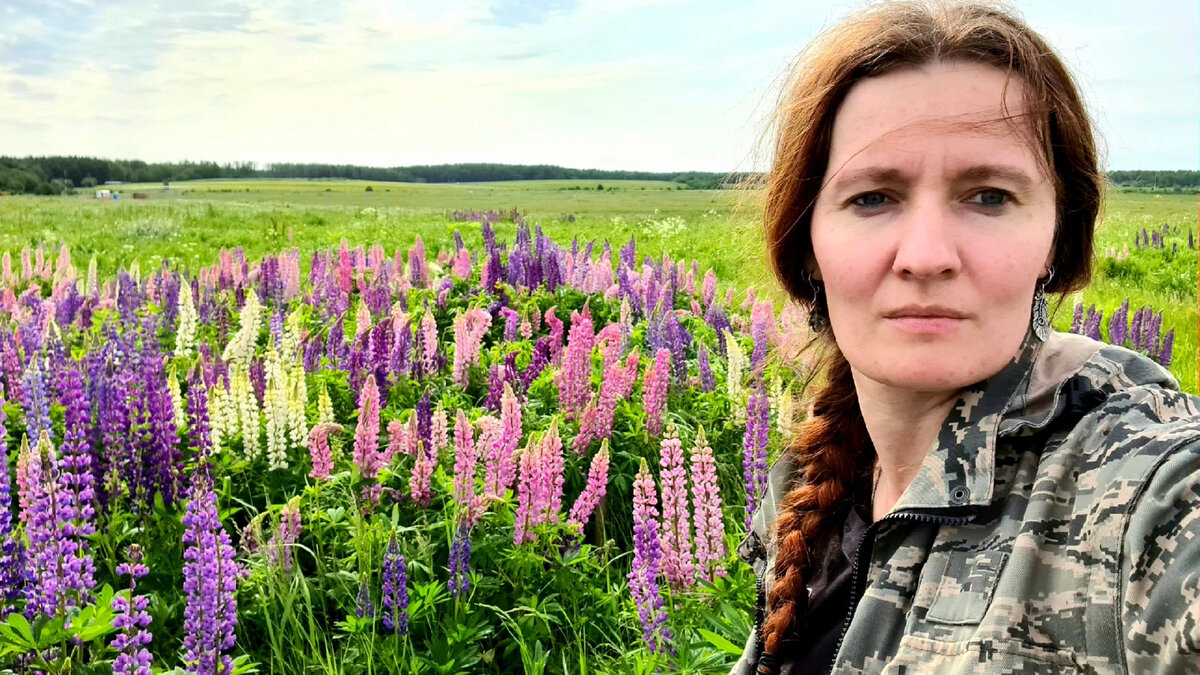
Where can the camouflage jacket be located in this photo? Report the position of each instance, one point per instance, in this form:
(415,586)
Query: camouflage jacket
(1051,529)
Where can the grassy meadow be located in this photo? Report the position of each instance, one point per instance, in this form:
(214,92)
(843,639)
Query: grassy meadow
(190,222)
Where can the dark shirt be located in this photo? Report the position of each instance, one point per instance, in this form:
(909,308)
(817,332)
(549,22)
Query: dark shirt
(828,598)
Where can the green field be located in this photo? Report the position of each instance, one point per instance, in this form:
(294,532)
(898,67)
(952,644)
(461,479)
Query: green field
(190,222)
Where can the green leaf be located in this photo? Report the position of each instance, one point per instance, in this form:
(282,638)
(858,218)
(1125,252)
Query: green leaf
(721,643)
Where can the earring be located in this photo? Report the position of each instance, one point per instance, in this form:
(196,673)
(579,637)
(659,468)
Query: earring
(817,321)
(1041,309)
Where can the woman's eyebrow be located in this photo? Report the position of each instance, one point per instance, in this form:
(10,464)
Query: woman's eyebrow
(870,174)
(986,172)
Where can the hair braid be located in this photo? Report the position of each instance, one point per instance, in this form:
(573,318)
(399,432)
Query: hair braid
(828,450)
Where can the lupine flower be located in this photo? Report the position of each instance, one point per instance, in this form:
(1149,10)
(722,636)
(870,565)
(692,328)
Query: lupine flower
(469,329)
(678,564)
(297,397)
(587,428)
(539,491)
(318,449)
(575,379)
(465,459)
(324,407)
(366,433)
(76,513)
(754,451)
(37,403)
(439,430)
(132,620)
(654,391)
(364,606)
(707,380)
(422,472)
(11,550)
(210,584)
(647,557)
(429,341)
(736,363)
(279,549)
(240,347)
(1118,324)
(706,511)
(395,589)
(1168,343)
(593,492)
(275,409)
(460,561)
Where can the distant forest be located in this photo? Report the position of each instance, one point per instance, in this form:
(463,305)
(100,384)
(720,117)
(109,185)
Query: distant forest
(59,175)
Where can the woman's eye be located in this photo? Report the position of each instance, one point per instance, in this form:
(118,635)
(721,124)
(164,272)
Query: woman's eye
(870,200)
(991,198)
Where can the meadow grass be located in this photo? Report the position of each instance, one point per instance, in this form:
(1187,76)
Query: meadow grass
(191,221)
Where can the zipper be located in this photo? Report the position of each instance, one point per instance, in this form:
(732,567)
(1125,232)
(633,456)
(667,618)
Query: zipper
(869,536)
(760,617)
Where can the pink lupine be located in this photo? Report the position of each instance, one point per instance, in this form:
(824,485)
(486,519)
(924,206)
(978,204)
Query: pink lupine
(441,436)
(462,265)
(654,391)
(345,269)
(539,492)
(525,496)
(576,376)
(678,565)
(469,329)
(618,382)
(428,329)
(422,473)
(510,438)
(489,447)
(587,428)
(465,459)
(593,492)
(706,511)
(366,435)
(556,335)
(318,449)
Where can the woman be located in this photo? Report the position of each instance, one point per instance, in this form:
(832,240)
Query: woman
(971,492)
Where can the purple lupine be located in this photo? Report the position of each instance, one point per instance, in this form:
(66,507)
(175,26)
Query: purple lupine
(132,620)
(51,591)
(11,550)
(210,583)
(1092,325)
(647,557)
(460,561)
(395,589)
(75,478)
(160,453)
(1118,325)
(1077,322)
(654,391)
(364,606)
(1135,330)
(678,564)
(1152,327)
(754,450)
(37,402)
(1168,343)
(199,431)
(593,492)
(706,511)
(708,382)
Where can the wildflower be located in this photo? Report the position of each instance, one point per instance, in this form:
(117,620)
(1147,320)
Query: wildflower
(707,381)
(11,549)
(466,457)
(364,606)
(647,557)
(275,409)
(240,347)
(593,492)
(210,584)
(318,449)
(469,329)
(1118,324)
(460,561)
(324,407)
(654,391)
(678,565)
(754,451)
(185,334)
(132,620)
(395,589)
(1164,354)
(279,549)
(575,379)
(706,510)
(422,473)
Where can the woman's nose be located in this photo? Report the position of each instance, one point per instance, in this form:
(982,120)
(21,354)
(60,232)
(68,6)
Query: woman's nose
(927,246)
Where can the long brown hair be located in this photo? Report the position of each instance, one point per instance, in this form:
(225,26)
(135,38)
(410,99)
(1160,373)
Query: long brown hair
(832,448)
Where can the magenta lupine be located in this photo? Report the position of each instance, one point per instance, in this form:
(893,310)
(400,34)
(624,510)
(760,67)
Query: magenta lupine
(587,428)
(491,447)
(210,584)
(575,380)
(593,492)
(654,391)
(539,492)
(319,451)
(132,620)
(552,474)
(706,511)
(556,335)
(678,564)
(465,460)
(526,487)
(395,588)
(647,558)
(510,438)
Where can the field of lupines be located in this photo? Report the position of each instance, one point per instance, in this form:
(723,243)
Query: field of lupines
(520,458)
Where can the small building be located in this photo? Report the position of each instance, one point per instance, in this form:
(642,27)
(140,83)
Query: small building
(104,194)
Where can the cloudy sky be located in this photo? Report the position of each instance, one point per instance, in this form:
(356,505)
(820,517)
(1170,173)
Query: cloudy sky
(656,85)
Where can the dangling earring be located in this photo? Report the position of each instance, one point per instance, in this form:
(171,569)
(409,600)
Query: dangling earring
(1041,309)
(817,321)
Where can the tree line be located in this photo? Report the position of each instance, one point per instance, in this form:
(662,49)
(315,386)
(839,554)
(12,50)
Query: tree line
(58,175)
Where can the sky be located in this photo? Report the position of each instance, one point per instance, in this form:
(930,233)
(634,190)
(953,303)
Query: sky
(651,85)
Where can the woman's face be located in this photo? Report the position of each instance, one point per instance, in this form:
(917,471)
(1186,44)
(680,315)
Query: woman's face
(933,225)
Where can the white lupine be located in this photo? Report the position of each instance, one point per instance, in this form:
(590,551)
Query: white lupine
(242,393)
(218,415)
(324,407)
(176,396)
(363,320)
(185,336)
(774,393)
(289,346)
(736,364)
(135,272)
(786,409)
(241,344)
(92,285)
(297,402)
(275,407)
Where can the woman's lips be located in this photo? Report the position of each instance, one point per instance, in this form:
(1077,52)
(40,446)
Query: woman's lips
(925,325)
